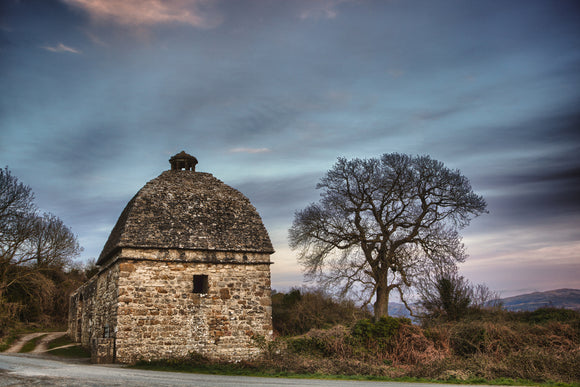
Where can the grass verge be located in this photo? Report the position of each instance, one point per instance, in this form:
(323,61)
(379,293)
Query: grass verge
(75,351)
(250,370)
(63,340)
(31,344)
(8,341)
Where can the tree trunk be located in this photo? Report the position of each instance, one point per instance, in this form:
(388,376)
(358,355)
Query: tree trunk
(382,301)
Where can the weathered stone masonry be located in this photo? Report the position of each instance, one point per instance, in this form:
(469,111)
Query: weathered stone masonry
(93,314)
(186,269)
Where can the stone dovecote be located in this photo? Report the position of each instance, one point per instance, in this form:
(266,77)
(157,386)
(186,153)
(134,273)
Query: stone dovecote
(185,270)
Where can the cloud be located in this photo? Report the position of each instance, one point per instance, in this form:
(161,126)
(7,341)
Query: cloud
(523,265)
(250,150)
(61,48)
(277,198)
(321,9)
(150,12)
(95,39)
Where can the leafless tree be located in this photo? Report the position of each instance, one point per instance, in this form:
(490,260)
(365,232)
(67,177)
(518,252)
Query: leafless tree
(380,222)
(30,244)
(52,243)
(17,212)
(484,297)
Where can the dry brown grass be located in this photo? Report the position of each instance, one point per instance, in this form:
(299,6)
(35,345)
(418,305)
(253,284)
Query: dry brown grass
(464,350)
(412,347)
(486,349)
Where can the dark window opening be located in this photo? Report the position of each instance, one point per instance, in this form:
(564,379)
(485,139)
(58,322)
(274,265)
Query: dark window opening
(200,283)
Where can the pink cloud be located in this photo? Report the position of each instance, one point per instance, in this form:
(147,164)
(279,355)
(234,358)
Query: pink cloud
(149,12)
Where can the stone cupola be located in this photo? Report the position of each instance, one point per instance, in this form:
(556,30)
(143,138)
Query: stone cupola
(183,161)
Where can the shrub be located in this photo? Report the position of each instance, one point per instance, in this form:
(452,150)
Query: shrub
(543,315)
(299,311)
(467,339)
(411,346)
(323,342)
(383,329)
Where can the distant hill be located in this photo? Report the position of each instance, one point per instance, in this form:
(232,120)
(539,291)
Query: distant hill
(561,298)
(398,310)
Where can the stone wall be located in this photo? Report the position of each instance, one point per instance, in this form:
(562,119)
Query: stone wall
(93,309)
(159,315)
(81,310)
(143,306)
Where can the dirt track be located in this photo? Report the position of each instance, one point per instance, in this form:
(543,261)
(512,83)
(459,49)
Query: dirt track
(41,346)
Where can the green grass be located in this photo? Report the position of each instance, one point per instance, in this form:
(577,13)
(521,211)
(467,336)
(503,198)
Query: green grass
(241,370)
(63,340)
(8,341)
(71,352)
(33,328)
(31,344)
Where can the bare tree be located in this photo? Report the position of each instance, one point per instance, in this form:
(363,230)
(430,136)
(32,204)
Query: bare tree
(380,222)
(17,212)
(30,245)
(52,243)
(484,297)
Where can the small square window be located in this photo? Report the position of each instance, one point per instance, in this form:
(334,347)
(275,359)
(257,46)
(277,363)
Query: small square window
(200,283)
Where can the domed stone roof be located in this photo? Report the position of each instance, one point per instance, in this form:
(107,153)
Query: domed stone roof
(183,209)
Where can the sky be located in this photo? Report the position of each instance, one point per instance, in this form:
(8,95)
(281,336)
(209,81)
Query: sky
(97,95)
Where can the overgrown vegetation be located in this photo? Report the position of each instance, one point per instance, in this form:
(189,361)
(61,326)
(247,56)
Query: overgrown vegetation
(301,310)
(490,346)
(7,341)
(37,268)
(447,296)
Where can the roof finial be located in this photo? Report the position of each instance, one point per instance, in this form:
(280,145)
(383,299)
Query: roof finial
(183,161)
